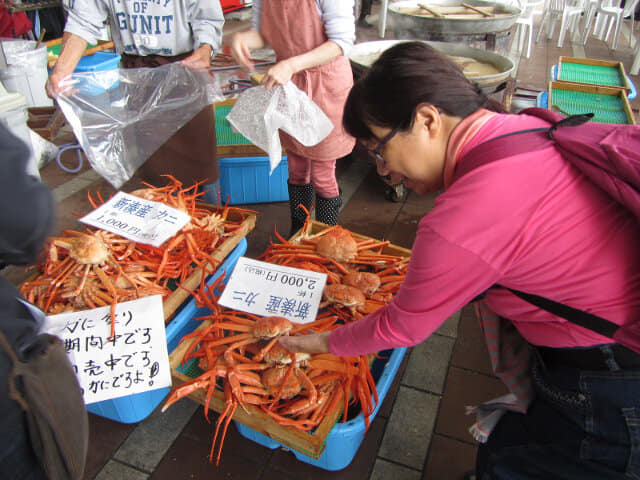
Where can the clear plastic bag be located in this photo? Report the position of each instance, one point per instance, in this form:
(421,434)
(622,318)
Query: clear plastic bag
(121,116)
(259,113)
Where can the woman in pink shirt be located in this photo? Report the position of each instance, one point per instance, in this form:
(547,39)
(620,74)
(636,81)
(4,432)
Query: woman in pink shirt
(530,222)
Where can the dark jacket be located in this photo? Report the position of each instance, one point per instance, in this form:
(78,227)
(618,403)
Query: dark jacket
(26,217)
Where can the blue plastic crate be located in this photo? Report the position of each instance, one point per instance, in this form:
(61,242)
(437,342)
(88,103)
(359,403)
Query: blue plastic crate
(246,180)
(135,408)
(344,439)
(98,73)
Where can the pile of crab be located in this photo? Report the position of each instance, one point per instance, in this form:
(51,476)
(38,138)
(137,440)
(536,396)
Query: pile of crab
(96,268)
(238,354)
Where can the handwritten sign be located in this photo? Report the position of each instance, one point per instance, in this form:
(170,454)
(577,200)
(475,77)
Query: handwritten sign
(133,361)
(266,289)
(137,219)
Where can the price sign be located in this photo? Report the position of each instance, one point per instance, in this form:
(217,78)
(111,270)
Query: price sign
(135,360)
(137,219)
(274,290)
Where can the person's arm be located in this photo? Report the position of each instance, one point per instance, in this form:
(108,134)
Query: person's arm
(441,279)
(241,45)
(73,48)
(206,20)
(282,71)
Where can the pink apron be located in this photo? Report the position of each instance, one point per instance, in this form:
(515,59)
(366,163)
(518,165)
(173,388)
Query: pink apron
(294,27)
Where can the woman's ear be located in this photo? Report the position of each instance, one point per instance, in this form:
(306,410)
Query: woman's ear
(428,118)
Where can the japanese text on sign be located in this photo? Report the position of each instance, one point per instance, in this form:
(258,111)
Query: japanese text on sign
(137,219)
(266,289)
(133,361)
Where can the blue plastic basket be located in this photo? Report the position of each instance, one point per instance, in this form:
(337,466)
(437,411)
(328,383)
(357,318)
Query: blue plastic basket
(135,408)
(344,439)
(246,180)
(98,73)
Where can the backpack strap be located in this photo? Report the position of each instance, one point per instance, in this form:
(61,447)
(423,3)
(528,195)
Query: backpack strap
(501,147)
(496,148)
(14,394)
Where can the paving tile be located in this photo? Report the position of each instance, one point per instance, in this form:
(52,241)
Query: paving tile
(118,471)
(450,326)
(200,430)
(449,459)
(462,388)
(188,459)
(359,468)
(409,429)
(384,470)
(390,399)
(105,436)
(147,444)
(470,350)
(428,364)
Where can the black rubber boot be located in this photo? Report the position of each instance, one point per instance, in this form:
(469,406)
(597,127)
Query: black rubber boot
(299,195)
(327,209)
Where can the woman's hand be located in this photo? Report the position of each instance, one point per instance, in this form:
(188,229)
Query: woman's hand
(240,45)
(314,343)
(279,74)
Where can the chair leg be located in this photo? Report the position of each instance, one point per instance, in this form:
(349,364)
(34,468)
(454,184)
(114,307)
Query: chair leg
(563,30)
(545,16)
(635,66)
(616,33)
(529,38)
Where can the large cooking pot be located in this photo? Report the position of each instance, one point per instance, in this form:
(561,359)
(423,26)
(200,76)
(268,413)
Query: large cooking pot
(362,56)
(411,21)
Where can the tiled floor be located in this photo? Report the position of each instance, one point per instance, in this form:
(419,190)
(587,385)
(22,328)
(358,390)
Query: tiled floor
(420,431)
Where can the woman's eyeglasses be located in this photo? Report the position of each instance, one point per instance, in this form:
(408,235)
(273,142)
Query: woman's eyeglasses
(376,153)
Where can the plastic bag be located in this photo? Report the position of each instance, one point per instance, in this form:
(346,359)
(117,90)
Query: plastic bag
(259,113)
(122,116)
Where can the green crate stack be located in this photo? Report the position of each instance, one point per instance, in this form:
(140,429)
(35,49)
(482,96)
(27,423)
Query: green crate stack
(592,74)
(606,108)
(224,133)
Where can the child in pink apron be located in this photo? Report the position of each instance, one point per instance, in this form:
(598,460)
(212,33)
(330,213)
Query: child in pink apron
(310,53)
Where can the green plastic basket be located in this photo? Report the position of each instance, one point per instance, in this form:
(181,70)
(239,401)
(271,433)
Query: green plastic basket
(592,74)
(606,108)
(224,133)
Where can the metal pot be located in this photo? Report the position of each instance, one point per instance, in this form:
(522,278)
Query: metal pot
(362,55)
(428,27)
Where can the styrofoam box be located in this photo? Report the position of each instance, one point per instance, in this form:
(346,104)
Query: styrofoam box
(344,439)
(135,408)
(246,180)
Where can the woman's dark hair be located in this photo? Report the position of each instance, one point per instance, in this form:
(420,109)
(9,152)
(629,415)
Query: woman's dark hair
(405,76)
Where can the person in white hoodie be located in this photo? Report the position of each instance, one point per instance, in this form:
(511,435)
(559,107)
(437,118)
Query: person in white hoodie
(149,34)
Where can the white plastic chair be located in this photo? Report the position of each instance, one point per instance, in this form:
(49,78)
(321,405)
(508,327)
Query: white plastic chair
(569,13)
(635,66)
(524,24)
(610,19)
(382,20)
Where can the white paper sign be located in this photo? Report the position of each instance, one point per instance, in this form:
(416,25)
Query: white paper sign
(134,361)
(137,219)
(266,289)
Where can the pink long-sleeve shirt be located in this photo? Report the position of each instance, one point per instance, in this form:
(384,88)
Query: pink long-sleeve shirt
(531,222)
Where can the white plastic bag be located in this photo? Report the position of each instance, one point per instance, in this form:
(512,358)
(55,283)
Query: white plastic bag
(259,113)
(121,117)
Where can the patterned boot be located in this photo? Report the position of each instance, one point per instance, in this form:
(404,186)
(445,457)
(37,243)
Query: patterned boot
(327,209)
(299,194)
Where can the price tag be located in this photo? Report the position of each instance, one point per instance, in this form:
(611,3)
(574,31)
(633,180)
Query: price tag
(274,290)
(135,360)
(137,219)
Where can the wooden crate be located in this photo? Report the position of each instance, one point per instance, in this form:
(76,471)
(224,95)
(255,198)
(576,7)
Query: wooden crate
(45,121)
(243,150)
(177,297)
(618,66)
(595,94)
(310,444)
(180,295)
